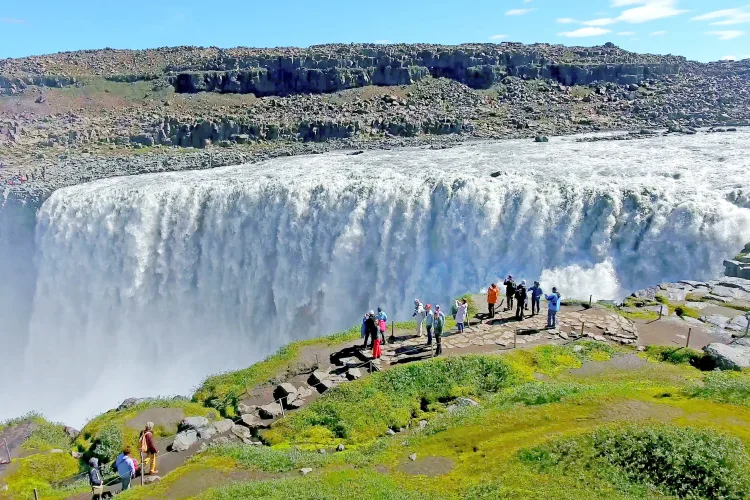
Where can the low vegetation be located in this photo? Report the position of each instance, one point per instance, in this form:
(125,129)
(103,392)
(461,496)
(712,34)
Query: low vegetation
(225,390)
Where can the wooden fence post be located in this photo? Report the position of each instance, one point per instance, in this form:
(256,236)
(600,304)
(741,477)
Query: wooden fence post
(687,344)
(143,466)
(36,494)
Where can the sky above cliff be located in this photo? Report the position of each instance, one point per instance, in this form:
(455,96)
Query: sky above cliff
(698,29)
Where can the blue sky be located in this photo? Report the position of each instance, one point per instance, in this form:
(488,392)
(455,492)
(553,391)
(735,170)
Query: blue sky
(698,29)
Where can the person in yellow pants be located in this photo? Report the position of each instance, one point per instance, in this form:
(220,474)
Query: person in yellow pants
(148,447)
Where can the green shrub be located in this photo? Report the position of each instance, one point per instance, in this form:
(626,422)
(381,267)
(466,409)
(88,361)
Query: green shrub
(109,443)
(48,436)
(724,387)
(685,462)
(689,312)
(540,393)
(359,412)
(676,355)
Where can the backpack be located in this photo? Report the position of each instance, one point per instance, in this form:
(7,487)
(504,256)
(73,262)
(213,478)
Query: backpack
(142,443)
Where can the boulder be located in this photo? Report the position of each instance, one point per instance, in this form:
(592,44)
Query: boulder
(207,432)
(738,323)
(541,138)
(271,410)
(242,409)
(151,479)
(241,432)
(577,348)
(304,392)
(71,432)
(353,373)
(284,390)
(252,421)
(318,377)
(305,471)
(194,422)
(716,320)
(223,426)
(729,357)
(340,447)
(324,385)
(184,440)
(466,402)
(413,457)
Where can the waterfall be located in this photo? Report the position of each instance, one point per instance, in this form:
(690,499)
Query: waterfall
(144,285)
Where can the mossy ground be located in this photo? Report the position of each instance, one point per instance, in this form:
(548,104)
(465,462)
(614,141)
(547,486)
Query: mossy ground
(528,399)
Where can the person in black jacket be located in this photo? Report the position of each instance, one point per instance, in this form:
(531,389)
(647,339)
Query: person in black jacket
(510,291)
(371,328)
(95,478)
(521,297)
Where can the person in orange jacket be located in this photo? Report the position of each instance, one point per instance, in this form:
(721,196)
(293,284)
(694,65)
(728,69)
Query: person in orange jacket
(492,295)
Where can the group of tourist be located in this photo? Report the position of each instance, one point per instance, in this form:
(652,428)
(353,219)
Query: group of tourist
(374,325)
(520,294)
(125,465)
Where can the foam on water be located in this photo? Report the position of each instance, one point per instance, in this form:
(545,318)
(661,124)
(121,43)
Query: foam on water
(146,284)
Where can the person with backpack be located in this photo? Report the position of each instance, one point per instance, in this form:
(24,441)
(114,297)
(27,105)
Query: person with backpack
(148,448)
(521,298)
(96,481)
(510,292)
(125,467)
(429,321)
(553,305)
(462,311)
(419,315)
(536,298)
(492,294)
(371,329)
(382,319)
(438,322)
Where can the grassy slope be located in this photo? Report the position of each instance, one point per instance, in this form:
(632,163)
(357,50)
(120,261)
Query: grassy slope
(487,444)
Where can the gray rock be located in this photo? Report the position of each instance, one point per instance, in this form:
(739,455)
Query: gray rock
(207,432)
(194,422)
(271,410)
(340,447)
(304,392)
(318,377)
(413,457)
(71,432)
(716,320)
(466,402)
(322,451)
(223,426)
(738,323)
(577,348)
(305,471)
(422,424)
(390,432)
(353,373)
(151,479)
(599,338)
(242,408)
(284,390)
(184,440)
(729,357)
(252,421)
(241,431)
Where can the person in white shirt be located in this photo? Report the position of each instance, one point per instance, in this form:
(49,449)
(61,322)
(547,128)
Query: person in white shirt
(462,310)
(419,315)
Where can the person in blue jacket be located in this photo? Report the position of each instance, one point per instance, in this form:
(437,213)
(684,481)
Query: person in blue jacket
(536,298)
(553,305)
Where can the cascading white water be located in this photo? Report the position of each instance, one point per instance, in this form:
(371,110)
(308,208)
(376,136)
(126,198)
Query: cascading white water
(146,284)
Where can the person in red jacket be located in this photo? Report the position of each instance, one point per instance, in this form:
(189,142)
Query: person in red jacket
(148,447)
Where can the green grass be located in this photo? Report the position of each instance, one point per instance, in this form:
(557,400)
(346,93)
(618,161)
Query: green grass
(676,355)
(359,412)
(632,302)
(46,436)
(39,471)
(225,390)
(684,462)
(107,433)
(724,387)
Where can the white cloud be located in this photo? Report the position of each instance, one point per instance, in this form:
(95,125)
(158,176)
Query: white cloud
(11,20)
(527,1)
(729,58)
(518,12)
(585,32)
(726,17)
(498,37)
(657,33)
(567,20)
(626,33)
(382,41)
(605,21)
(649,10)
(726,35)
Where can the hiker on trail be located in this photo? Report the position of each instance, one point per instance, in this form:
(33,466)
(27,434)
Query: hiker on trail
(364,327)
(96,481)
(536,298)
(125,467)
(438,323)
(371,329)
(521,297)
(148,447)
(382,319)
(510,292)
(553,305)
(376,351)
(419,315)
(430,320)
(492,294)
(462,307)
